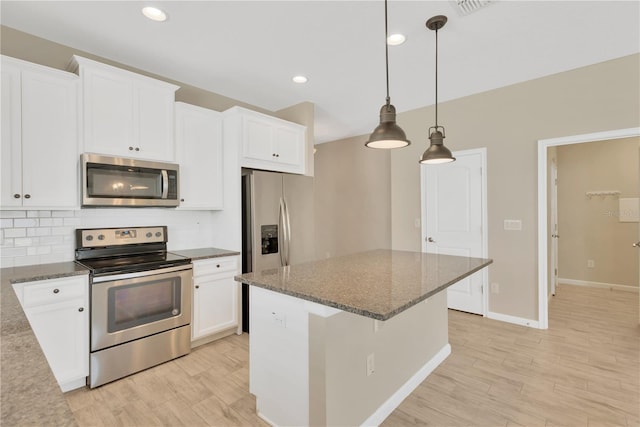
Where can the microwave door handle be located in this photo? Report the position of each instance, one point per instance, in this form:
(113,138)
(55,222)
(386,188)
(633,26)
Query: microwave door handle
(165,184)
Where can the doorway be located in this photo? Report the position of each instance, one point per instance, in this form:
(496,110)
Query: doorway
(454,216)
(544,227)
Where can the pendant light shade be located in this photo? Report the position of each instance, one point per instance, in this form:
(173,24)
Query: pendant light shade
(387,134)
(437,152)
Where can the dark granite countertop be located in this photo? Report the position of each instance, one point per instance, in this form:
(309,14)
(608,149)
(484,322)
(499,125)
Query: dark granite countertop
(30,394)
(204,253)
(377,284)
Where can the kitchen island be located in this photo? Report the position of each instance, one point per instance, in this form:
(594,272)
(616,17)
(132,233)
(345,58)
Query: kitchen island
(343,341)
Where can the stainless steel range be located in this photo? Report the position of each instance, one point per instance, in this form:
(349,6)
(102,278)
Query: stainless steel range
(140,300)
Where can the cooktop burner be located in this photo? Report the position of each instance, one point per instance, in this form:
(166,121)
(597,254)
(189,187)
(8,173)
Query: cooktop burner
(132,263)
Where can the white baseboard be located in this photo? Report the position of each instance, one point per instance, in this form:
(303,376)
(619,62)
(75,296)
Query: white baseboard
(513,319)
(611,286)
(407,388)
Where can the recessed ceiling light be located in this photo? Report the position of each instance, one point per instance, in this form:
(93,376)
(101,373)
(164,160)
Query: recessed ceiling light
(300,79)
(396,39)
(154,13)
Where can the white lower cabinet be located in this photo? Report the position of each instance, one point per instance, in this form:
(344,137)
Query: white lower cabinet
(216,302)
(58,311)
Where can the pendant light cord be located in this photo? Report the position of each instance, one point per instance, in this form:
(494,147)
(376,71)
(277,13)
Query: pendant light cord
(436,78)
(386,47)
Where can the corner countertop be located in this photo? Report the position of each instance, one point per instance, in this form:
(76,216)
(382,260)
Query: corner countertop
(30,394)
(377,284)
(204,253)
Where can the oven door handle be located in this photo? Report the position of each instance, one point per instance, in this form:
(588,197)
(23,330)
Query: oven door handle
(123,276)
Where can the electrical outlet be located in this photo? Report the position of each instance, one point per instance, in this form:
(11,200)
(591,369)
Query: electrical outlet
(512,225)
(591,263)
(371,364)
(495,288)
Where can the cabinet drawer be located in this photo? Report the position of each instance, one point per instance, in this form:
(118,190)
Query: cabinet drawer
(215,265)
(53,291)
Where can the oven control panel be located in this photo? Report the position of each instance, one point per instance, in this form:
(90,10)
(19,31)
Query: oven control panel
(100,237)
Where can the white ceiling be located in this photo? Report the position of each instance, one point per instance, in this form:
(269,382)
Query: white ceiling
(249,50)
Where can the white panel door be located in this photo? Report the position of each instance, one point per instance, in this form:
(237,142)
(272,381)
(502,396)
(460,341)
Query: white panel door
(453,215)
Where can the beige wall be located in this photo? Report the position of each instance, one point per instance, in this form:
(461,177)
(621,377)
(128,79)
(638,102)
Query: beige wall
(589,227)
(352,198)
(509,121)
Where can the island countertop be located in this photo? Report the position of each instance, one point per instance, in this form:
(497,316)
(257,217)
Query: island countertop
(378,284)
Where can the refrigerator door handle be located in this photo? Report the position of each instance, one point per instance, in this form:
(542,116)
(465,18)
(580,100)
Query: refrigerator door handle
(281,232)
(287,237)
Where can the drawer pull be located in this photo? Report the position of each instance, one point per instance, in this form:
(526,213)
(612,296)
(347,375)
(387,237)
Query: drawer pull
(56,290)
(16,196)
(81,309)
(27,196)
(197,286)
(218,266)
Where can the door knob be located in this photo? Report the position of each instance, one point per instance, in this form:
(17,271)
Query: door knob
(430,240)
(557,236)
(636,245)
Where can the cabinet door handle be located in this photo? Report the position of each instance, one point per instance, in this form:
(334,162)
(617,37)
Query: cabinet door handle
(197,286)
(130,148)
(56,290)
(27,196)
(218,266)
(16,196)
(81,309)
(182,200)
(137,148)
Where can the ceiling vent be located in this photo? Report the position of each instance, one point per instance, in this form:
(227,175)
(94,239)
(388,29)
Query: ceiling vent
(465,7)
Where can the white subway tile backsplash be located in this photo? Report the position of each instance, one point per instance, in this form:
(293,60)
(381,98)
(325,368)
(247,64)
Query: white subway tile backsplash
(6,262)
(39,250)
(57,257)
(61,231)
(23,241)
(13,214)
(50,235)
(14,232)
(51,222)
(72,221)
(25,222)
(62,214)
(52,240)
(13,252)
(26,260)
(38,231)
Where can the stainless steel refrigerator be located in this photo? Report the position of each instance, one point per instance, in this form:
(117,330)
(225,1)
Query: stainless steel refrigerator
(277,224)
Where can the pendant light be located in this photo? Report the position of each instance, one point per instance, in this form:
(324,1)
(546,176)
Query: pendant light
(437,152)
(387,134)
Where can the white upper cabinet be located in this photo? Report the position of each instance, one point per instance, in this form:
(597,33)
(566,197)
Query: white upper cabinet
(269,143)
(124,113)
(40,143)
(199,154)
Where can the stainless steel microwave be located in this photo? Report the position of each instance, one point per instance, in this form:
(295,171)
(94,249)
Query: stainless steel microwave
(125,182)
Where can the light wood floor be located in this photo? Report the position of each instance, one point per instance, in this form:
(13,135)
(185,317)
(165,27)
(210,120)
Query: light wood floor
(582,371)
